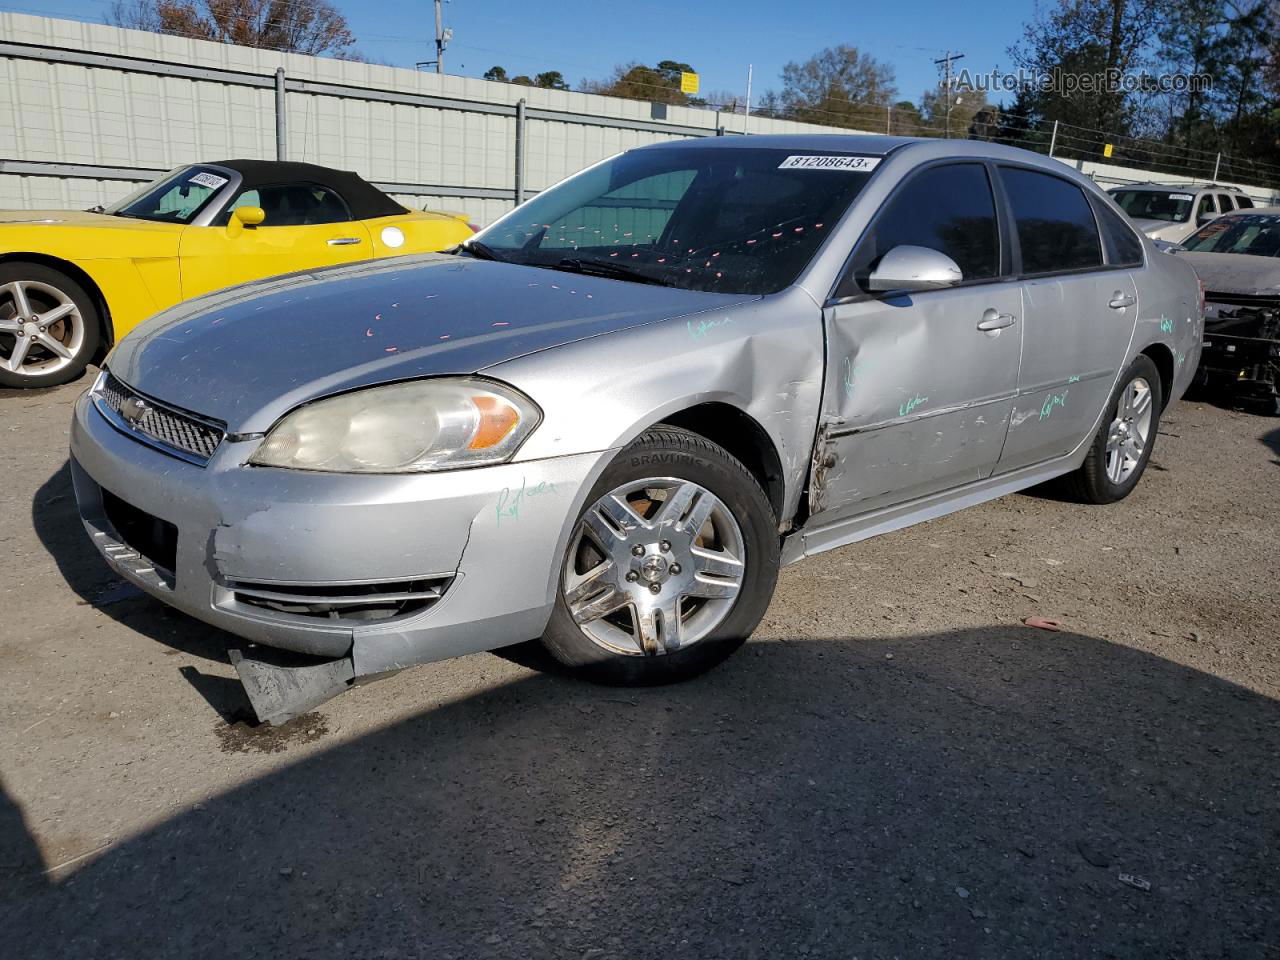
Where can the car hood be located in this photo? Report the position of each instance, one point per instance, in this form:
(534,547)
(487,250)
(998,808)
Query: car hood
(1239,274)
(1154,228)
(82,218)
(249,354)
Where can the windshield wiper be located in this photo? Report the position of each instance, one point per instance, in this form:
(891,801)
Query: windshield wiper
(479,250)
(605,268)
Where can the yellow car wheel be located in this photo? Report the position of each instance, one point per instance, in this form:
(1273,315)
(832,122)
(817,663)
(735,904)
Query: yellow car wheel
(49,326)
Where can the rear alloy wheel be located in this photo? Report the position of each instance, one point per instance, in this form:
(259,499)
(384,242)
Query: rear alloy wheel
(49,328)
(1124,442)
(665,573)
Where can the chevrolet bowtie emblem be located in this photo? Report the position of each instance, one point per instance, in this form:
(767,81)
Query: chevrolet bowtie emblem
(134,410)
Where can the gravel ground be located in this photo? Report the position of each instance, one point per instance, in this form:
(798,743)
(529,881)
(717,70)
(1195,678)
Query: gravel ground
(894,767)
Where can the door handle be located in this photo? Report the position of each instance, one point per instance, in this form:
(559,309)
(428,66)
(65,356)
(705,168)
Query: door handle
(343,241)
(993,321)
(1121,300)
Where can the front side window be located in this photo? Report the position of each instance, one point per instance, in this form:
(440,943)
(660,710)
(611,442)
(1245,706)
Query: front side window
(1172,206)
(1255,234)
(175,198)
(292,205)
(1055,226)
(949,209)
(1205,207)
(721,219)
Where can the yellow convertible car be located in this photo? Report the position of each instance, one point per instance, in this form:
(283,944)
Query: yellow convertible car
(72,282)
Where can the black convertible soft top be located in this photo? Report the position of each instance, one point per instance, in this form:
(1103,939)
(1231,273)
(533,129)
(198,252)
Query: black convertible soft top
(365,200)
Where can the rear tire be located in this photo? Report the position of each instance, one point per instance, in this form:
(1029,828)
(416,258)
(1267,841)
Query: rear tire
(50,327)
(670,567)
(1127,435)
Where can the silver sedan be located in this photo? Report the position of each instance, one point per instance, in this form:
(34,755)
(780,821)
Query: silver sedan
(605,421)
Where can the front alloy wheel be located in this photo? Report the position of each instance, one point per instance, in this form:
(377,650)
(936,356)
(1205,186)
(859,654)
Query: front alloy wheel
(666,571)
(48,326)
(655,566)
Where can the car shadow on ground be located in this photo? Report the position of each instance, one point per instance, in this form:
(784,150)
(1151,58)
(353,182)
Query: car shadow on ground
(56,520)
(987,792)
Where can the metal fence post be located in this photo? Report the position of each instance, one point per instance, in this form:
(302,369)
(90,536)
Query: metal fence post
(1217,163)
(1053,140)
(520,131)
(281,123)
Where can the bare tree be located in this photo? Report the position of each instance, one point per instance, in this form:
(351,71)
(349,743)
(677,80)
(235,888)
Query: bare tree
(296,26)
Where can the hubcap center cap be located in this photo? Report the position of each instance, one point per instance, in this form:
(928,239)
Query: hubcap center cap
(30,329)
(653,569)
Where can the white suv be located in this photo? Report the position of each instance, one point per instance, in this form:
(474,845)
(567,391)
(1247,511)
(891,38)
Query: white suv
(1174,211)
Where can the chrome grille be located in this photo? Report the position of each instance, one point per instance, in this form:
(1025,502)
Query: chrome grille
(172,430)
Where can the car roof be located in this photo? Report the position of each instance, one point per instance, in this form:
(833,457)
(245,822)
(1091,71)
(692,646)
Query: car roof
(1182,187)
(364,199)
(870,144)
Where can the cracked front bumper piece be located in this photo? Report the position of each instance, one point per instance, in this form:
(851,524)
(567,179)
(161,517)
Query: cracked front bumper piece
(386,570)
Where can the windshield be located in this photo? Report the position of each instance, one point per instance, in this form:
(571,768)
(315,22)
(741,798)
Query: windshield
(1254,234)
(744,220)
(1155,204)
(177,197)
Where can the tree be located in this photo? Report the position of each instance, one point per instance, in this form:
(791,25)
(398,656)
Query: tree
(551,80)
(312,27)
(496,73)
(838,86)
(1089,38)
(660,84)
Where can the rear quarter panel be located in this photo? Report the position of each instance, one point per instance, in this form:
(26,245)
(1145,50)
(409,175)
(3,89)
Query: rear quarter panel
(422,232)
(1170,316)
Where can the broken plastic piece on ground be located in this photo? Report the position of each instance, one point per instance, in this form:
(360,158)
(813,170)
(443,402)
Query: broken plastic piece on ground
(282,691)
(1043,623)
(1138,883)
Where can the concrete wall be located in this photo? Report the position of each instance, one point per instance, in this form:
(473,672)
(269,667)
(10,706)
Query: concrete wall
(89,96)
(89,111)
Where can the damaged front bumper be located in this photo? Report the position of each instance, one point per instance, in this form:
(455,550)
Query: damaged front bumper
(1242,346)
(385,571)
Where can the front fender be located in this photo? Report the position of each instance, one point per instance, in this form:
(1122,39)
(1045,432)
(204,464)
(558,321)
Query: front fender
(763,357)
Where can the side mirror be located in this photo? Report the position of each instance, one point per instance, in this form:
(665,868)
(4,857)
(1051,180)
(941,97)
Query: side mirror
(911,268)
(249,216)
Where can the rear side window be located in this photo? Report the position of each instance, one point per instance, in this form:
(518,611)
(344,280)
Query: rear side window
(1224,203)
(1056,229)
(949,209)
(1123,248)
(1244,203)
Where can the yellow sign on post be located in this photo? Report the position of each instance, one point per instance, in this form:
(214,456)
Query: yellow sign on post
(1106,149)
(688,82)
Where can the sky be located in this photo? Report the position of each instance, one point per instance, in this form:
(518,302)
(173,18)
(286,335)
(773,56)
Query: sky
(585,39)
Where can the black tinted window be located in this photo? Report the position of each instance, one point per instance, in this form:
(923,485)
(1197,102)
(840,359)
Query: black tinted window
(293,205)
(1224,203)
(948,209)
(1123,246)
(1243,202)
(1056,230)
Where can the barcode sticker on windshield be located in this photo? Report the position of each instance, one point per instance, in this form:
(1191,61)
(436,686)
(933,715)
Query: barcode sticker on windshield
(1181,196)
(829,163)
(210,180)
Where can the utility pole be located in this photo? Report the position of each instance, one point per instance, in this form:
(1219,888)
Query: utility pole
(946,84)
(746,116)
(441,38)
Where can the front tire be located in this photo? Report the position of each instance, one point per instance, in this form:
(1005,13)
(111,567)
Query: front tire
(670,565)
(49,326)
(1125,439)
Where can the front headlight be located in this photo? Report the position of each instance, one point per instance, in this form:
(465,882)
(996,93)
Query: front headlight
(407,427)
